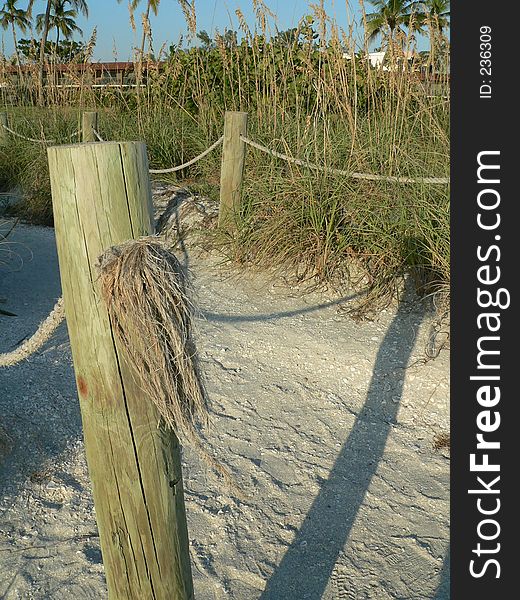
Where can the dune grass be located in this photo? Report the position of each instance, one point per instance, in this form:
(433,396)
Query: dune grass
(306,100)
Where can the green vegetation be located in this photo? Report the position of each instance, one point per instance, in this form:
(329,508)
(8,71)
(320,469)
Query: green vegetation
(11,16)
(309,93)
(61,18)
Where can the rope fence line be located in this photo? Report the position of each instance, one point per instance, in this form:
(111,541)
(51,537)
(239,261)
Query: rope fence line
(192,161)
(29,139)
(96,133)
(57,315)
(366,176)
(265,150)
(36,341)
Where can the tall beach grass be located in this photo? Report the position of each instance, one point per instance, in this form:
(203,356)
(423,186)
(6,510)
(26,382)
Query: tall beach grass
(304,98)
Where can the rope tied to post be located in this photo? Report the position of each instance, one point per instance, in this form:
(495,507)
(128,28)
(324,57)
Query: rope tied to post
(146,292)
(353,175)
(192,161)
(98,136)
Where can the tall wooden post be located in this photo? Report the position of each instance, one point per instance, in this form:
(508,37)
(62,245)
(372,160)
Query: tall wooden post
(233,159)
(4,134)
(89,123)
(101,197)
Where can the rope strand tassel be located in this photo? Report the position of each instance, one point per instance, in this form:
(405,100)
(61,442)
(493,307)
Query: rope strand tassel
(145,290)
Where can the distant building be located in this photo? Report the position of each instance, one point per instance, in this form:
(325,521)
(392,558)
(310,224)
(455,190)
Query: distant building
(377,59)
(70,75)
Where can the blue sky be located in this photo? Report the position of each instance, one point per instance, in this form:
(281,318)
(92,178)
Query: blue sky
(115,37)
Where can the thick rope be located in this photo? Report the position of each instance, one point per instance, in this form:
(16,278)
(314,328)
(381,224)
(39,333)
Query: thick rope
(190,162)
(29,139)
(36,341)
(96,133)
(367,176)
(75,134)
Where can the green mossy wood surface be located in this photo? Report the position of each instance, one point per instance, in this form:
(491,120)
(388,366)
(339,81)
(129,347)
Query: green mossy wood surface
(102,197)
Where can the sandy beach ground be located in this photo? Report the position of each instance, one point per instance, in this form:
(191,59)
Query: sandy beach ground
(327,424)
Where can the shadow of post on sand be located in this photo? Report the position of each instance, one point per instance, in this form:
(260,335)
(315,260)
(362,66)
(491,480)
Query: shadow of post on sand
(308,563)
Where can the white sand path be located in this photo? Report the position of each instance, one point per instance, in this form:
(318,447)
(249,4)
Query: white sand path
(316,415)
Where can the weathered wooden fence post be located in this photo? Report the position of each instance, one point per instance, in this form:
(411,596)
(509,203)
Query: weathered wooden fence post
(102,197)
(89,123)
(4,134)
(233,159)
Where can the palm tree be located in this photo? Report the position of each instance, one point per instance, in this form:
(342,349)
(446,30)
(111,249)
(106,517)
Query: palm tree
(81,5)
(61,19)
(151,5)
(435,14)
(390,18)
(11,17)
(187,6)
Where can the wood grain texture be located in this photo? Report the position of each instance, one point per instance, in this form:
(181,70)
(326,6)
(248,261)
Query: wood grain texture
(232,170)
(101,197)
(89,122)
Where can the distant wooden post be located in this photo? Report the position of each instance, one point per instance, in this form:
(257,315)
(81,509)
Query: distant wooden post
(89,123)
(101,197)
(233,159)
(4,134)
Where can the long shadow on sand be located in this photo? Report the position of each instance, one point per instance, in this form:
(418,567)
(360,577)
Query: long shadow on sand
(306,567)
(39,408)
(226,318)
